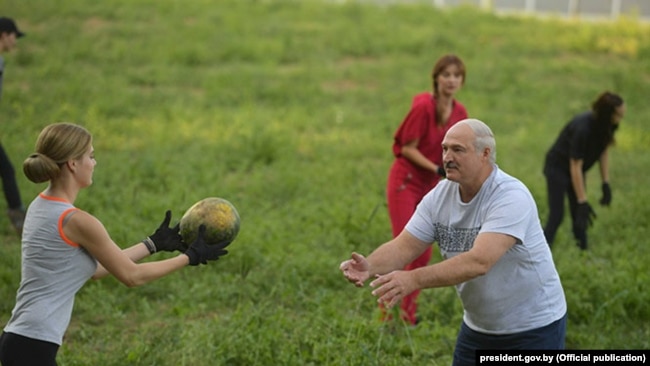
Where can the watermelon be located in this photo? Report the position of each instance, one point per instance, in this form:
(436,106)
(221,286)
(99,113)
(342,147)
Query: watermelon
(219,216)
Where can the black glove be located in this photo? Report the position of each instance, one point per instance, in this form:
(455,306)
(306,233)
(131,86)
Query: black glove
(585,216)
(607,195)
(441,172)
(165,238)
(200,253)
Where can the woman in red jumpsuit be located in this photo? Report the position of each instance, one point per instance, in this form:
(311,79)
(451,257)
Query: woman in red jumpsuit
(418,154)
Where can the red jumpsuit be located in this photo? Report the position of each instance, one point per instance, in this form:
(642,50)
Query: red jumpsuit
(407,183)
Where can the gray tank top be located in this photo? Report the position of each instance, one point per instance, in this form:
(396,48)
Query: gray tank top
(53,270)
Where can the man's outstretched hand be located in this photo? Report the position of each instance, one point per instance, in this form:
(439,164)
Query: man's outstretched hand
(356,269)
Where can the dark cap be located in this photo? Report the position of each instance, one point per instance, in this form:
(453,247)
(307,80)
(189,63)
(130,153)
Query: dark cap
(7,25)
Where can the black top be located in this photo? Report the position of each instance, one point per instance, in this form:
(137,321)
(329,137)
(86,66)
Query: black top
(580,139)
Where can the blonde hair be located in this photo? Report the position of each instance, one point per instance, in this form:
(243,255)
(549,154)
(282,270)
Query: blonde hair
(56,144)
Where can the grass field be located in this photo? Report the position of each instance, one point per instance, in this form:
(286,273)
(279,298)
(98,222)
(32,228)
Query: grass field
(287,109)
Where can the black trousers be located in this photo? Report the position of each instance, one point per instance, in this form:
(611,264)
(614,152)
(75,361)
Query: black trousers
(9,185)
(558,185)
(16,350)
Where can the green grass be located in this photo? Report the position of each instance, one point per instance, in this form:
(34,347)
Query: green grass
(287,109)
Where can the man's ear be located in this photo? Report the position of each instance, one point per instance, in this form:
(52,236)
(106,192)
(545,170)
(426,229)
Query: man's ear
(486,152)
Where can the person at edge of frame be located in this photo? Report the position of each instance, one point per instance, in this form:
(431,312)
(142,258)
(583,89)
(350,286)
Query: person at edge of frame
(64,246)
(9,33)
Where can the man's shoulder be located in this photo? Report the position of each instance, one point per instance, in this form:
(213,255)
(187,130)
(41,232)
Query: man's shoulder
(443,191)
(508,183)
(445,185)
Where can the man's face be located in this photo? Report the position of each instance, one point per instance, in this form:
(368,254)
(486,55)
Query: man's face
(462,162)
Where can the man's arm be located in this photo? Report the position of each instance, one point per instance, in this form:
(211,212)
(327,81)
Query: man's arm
(487,250)
(395,254)
(390,256)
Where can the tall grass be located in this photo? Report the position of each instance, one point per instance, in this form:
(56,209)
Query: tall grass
(287,109)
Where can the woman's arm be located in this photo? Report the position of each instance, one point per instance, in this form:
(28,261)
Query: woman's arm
(90,233)
(135,253)
(410,151)
(604,166)
(577,179)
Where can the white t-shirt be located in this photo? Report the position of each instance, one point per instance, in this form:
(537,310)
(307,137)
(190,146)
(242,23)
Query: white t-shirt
(522,291)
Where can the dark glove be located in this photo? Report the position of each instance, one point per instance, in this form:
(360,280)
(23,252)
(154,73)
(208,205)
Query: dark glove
(607,195)
(441,172)
(585,216)
(200,253)
(165,238)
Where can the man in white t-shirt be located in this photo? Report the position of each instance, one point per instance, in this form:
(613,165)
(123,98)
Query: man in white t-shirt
(486,225)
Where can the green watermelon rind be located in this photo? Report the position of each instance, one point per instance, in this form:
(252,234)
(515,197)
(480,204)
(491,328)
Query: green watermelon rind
(219,216)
